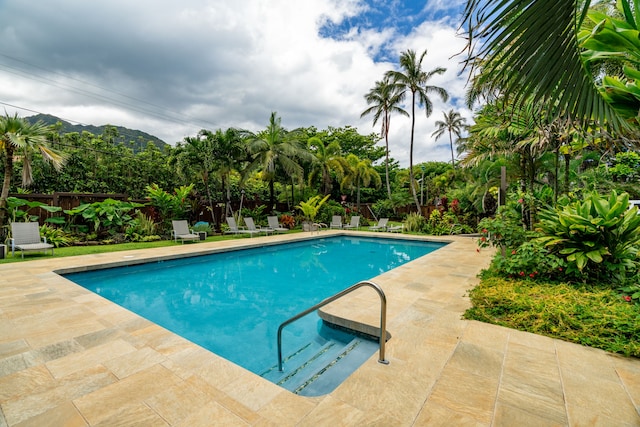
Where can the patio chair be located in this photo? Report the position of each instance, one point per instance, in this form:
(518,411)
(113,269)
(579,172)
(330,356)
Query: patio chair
(181,231)
(395,228)
(25,236)
(252,229)
(336,222)
(381,225)
(275,225)
(233,226)
(355,223)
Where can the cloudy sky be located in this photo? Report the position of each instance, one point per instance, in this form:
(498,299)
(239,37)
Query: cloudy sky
(171,68)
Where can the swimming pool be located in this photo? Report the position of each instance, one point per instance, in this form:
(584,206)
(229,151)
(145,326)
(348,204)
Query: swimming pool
(231,303)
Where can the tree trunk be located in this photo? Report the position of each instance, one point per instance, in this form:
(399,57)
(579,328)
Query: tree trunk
(6,184)
(386,163)
(453,162)
(272,195)
(411,178)
(567,165)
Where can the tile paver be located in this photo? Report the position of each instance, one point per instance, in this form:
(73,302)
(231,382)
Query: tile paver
(69,357)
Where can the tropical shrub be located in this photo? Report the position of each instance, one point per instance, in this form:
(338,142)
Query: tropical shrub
(56,236)
(414,223)
(169,206)
(108,216)
(287,221)
(440,223)
(141,228)
(328,210)
(505,230)
(311,207)
(531,260)
(598,237)
(18,209)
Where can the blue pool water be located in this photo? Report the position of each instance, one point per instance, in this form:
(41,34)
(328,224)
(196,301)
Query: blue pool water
(232,303)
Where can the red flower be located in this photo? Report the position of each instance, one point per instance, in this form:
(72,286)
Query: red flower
(560,268)
(484,239)
(520,201)
(484,230)
(513,252)
(532,275)
(627,298)
(522,273)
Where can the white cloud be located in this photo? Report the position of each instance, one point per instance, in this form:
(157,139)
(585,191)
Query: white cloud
(170,68)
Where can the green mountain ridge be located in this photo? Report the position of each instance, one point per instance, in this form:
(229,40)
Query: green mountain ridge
(135,138)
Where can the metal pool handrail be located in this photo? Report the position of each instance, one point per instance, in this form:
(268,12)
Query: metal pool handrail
(383,317)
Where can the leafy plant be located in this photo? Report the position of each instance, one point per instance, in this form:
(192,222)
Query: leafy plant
(414,223)
(504,231)
(287,221)
(599,237)
(311,207)
(531,260)
(111,216)
(18,209)
(440,223)
(169,206)
(56,236)
(141,227)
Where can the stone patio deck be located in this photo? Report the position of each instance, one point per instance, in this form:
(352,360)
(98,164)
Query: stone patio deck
(69,357)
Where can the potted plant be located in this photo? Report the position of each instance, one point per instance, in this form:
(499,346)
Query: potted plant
(309,210)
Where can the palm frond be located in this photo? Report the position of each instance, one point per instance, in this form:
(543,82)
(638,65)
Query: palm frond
(529,48)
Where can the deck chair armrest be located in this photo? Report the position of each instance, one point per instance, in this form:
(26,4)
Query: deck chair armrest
(44,239)
(12,243)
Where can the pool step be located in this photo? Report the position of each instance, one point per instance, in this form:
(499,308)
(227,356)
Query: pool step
(321,365)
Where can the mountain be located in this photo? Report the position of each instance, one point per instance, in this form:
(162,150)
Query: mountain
(125,136)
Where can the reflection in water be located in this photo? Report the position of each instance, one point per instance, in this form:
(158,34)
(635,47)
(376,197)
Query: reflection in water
(232,303)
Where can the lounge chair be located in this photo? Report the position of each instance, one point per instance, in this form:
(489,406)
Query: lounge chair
(234,229)
(395,228)
(25,236)
(275,225)
(252,229)
(336,222)
(181,231)
(381,225)
(355,223)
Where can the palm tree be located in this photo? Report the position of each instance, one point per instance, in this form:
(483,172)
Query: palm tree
(327,158)
(273,149)
(360,174)
(530,48)
(453,123)
(414,79)
(20,138)
(386,99)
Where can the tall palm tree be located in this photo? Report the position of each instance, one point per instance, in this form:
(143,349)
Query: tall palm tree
(18,137)
(530,48)
(454,124)
(386,99)
(412,78)
(360,174)
(327,158)
(273,149)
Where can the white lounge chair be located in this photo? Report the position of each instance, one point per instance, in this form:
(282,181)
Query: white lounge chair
(381,225)
(275,225)
(355,223)
(336,222)
(252,229)
(395,228)
(181,231)
(25,236)
(233,226)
